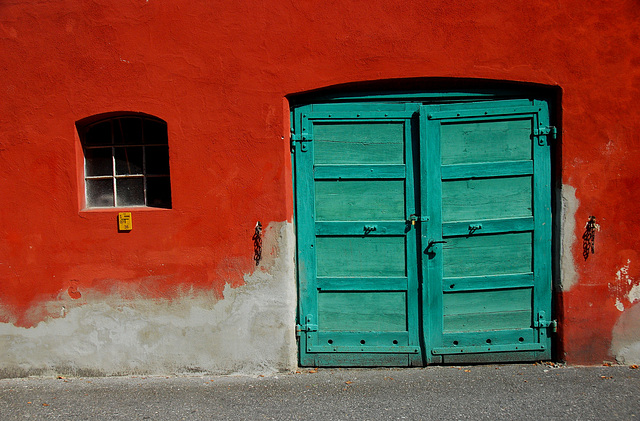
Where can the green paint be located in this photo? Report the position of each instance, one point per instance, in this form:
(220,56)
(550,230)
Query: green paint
(486,198)
(478,179)
(487,301)
(359,143)
(362,284)
(494,169)
(494,254)
(358,171)
(359,200)
(486,141)
(487,282)
(360,256)
(362,311)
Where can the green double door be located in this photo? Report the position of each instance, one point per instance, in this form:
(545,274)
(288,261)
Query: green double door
(423,232)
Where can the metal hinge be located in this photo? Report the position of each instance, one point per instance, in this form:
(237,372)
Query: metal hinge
(302,139)
(307,327)
(541,322)
(551,133)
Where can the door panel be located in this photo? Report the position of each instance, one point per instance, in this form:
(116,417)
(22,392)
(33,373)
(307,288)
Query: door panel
(362,311)
(486,198)
(487,310)
(493,254)
(490,204)
(424,234)
(486,141)
(357,200)
(366,142)
(354,187)
(353,256)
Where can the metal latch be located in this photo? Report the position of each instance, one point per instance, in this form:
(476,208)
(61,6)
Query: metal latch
(432,243)
(542,323)
(417,218)
(307,327)
(302,139)
(551,132)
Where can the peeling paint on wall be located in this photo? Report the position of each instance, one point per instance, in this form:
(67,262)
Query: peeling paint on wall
(625,288)
(617,288)
(625,343)
(569,275)
(250,330)
(634,294)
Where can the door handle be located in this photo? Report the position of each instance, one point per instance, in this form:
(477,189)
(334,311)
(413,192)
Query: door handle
(431,243)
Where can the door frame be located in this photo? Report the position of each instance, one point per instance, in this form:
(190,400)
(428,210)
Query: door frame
(420,99)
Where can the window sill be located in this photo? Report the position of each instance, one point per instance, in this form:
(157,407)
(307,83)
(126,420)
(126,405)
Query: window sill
(125,209)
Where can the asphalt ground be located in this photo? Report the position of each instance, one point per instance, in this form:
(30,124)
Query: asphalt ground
(509,392)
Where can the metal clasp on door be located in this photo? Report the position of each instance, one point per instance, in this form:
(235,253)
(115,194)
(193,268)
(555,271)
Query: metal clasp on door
(431,243)
(413,218)
(368,229)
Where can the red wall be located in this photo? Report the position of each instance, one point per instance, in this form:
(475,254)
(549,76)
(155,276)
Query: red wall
(218,74)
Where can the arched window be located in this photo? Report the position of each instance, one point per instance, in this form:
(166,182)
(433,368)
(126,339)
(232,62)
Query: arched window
(126,162)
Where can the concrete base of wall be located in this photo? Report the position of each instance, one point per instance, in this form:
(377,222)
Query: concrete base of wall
(625,343)
(250,331)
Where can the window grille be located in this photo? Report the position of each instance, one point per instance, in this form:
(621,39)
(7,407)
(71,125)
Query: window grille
(126,162)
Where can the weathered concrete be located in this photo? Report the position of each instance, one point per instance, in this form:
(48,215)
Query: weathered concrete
(250,330)
(569,206)
(625,343)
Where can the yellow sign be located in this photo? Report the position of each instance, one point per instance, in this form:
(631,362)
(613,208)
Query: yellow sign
(124,221)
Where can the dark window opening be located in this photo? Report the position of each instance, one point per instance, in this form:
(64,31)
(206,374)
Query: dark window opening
(126,162)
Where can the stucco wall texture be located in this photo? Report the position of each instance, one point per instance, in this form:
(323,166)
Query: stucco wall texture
(219,74)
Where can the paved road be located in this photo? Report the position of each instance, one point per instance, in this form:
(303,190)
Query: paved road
(528,391)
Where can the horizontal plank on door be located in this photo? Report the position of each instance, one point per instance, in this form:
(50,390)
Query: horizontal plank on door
(362,311)
(495,357)
(364,348)
(345,172)
(362,284)
(486,226)
(360,228)
(492,254)
(356,341)
(361,256)
(482,113)
(488,282)
(400,337)
(359,143)
(485,169)
(488,348)
(486,141)
(473,322)
(487,198)
(492,337)
(357,200)
(476,302)
(357,116)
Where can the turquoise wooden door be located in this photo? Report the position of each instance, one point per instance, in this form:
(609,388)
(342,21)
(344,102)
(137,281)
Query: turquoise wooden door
(486,176)
(423,232)
(354,173)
